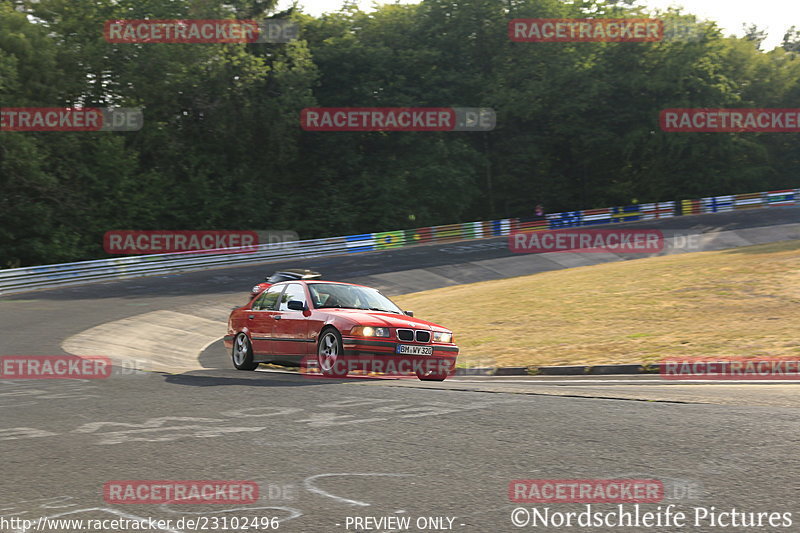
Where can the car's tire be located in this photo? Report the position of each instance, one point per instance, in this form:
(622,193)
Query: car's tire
(242,353)
(431,377)
(436,374)
(329,354)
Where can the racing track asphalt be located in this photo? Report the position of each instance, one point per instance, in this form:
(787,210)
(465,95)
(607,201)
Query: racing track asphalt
(325,450)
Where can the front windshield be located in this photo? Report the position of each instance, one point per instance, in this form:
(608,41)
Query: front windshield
(335,295)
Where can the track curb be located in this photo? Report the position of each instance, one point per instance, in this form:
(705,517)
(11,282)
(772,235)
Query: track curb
(572,370)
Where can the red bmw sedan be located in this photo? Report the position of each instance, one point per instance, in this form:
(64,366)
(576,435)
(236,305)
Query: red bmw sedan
(337,328)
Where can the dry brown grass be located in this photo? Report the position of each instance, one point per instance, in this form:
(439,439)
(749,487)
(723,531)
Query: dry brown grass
(737,302)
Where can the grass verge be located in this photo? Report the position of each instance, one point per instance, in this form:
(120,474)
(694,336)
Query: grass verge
(739,302)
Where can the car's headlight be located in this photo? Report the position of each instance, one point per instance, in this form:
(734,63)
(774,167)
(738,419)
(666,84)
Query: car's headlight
(441,336)
(369,331)
(255,289)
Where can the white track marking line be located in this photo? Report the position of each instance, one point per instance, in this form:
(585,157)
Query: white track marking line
(635,382)
(309,486)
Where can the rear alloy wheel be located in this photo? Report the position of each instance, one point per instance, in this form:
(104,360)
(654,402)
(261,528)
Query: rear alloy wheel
(329,354)
(242,353)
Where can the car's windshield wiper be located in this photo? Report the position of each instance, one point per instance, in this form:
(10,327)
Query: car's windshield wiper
(337,306)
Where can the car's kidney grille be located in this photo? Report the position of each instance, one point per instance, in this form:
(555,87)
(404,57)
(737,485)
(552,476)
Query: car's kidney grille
(405,334)
(409,335)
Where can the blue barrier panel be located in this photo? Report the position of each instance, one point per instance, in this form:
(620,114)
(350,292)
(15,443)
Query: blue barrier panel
(568,219)
(360,243)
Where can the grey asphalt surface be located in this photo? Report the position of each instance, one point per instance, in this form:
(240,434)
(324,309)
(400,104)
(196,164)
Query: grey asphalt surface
(324,450)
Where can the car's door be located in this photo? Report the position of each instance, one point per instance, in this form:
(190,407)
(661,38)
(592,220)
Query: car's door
(261,319)
(290,330)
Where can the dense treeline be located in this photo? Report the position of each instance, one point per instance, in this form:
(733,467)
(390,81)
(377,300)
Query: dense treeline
(222,148)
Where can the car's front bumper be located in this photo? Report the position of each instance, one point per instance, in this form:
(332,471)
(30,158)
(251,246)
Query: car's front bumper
(359,346)
(381,357)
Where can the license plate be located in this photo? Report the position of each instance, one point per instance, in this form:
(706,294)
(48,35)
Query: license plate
(405,349)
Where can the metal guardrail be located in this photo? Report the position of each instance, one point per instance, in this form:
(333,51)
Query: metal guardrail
(24,279)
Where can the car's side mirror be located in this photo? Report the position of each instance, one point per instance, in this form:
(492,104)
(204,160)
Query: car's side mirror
(296,305)
(409,313)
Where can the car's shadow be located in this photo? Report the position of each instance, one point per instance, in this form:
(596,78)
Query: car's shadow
(217,378)
(220,377)
(215,356)
(218,370)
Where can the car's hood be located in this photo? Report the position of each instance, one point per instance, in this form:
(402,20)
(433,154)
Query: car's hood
(378,319)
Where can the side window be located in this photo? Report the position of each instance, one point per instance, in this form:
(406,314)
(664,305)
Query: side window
(293,292)
(267,301)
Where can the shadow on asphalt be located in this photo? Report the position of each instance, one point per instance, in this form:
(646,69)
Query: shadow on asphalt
(215,356)
(218,371)
(203,378)
(217,365)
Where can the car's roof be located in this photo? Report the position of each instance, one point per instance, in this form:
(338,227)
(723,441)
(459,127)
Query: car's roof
(322,281)
(296,271)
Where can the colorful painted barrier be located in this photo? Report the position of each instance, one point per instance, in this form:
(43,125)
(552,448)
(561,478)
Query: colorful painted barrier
(22,279)
(570,219)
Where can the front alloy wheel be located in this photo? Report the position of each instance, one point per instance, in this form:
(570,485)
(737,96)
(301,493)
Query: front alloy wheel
(430,376)
(329,352)
(242,353)
(440,371)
